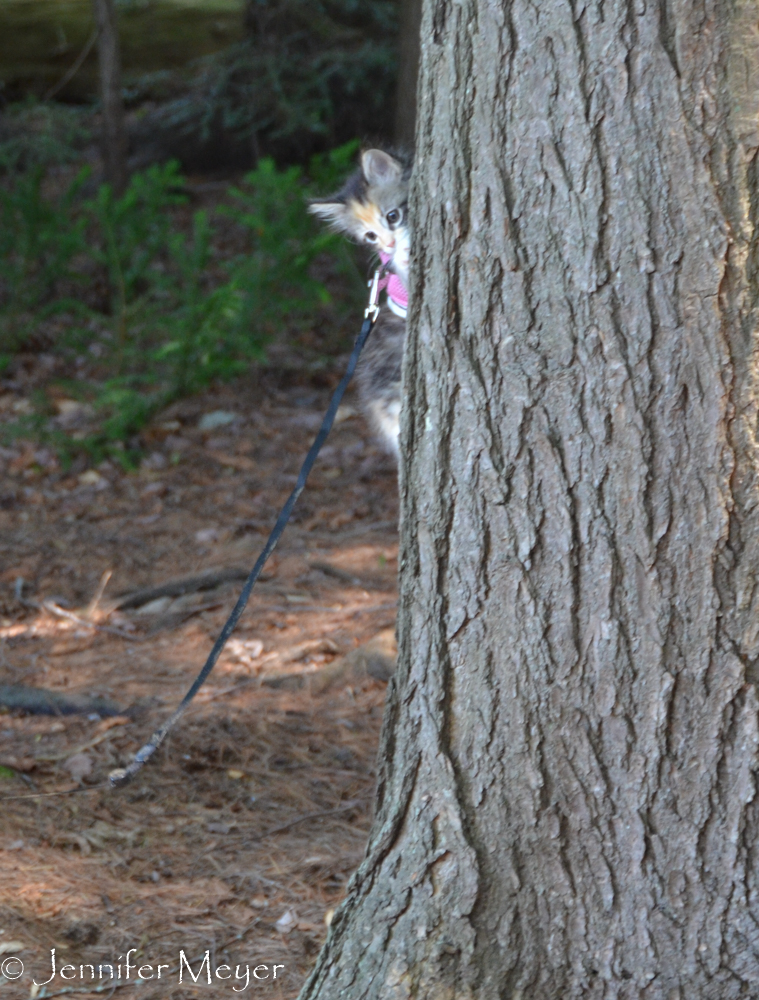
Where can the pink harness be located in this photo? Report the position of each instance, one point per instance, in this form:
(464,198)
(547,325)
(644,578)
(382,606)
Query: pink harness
(397,295)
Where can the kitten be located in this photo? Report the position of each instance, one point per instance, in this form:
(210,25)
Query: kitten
(371,207)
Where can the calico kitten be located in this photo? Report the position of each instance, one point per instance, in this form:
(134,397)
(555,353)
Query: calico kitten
(371,207)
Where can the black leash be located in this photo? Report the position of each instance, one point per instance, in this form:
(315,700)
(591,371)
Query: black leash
(123,775)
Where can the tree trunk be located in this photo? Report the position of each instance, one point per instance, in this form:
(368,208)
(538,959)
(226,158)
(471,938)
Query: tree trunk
(408,71)
(114,134)
(567,805)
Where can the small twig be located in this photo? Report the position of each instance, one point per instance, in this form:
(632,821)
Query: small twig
(103,988)
(64,791)
(173,619)
(85,746)
(339,574)
(68,990)
(213,695)
(365,529)
(52,608)
(93,605)
(71,73)
(304,819)
(181,586)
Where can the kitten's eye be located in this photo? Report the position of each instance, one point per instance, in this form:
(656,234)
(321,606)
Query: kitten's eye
(394,216)
(370,237)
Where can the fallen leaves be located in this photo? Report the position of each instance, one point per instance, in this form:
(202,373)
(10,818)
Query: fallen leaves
(248,789)
(79,766)
(68,646)
(102,731)
(215,419)
(98,836)
(307,648)
(239,462)
(287,922)
(22,764)
(11,946)
(221,828)
(246,651)
(375,658)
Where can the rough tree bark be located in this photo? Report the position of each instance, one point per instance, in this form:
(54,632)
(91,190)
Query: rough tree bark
(567,798)
(114,141)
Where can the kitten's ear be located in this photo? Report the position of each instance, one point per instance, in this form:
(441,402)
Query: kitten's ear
(333,212)
(379,167)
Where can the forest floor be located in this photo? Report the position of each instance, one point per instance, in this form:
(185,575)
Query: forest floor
(240,835)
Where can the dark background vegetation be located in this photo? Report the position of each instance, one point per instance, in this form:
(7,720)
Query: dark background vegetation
(120,294)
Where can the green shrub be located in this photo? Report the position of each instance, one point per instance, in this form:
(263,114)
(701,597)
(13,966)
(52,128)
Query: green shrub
(175,316)
(131,234)
(39,240)
(35,134)
(275,274)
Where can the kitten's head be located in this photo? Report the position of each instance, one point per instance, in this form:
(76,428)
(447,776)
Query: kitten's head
(371,207)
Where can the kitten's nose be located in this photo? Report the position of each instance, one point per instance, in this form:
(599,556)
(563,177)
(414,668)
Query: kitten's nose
(391,244)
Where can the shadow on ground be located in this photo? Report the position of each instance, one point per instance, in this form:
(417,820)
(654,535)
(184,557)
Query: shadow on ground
(240,836)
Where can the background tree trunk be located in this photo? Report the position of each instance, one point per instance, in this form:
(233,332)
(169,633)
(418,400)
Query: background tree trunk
(114,134)
(567,802)
(408,71)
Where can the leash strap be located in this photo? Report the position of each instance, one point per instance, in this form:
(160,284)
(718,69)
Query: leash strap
(121,776)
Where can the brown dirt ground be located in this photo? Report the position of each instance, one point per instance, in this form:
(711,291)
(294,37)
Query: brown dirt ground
(240,835)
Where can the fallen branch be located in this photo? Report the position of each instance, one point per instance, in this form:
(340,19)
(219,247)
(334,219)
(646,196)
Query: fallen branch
(74,69)
(340,574)
(59,612)
(173,619)
(348,807)
(181,586)
(54,609)
(41,701)
(62,791)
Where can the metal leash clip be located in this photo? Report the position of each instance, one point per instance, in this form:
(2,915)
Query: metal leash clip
(372,310)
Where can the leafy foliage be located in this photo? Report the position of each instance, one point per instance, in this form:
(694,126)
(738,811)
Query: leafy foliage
(284,239)
(35,135)
(38,242)
(175,316)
